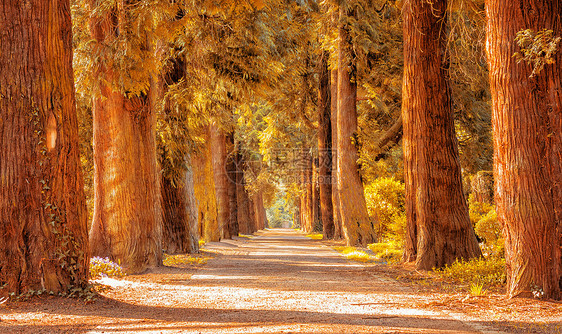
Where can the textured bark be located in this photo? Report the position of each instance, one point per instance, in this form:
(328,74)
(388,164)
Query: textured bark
(231,176)
(334,121)
(219,156)
(127,220)
(527,125)
(205,193)
(438,226)
(306,213)
(325,149)
(42,203)
(316,214)
(356,225)
(179,214)
(242,200)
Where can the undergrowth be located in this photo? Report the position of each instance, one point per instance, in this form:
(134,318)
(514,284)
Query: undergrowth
(352,253)
(389,251)
(184,260)
(315,236)
(480,271)
(103,267)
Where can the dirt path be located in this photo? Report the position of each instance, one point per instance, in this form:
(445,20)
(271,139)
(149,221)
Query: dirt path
(279,281)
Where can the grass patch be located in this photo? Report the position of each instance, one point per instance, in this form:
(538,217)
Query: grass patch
(388,251)
(481,271)
(315,236)
(184,260)
(352,253)
(247,236)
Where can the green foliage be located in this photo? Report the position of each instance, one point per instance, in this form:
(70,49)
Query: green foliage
(386,204)
(538,48)
(487,272)
(103,267)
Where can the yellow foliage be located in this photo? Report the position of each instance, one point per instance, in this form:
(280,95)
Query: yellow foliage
(315,236)
(184,260)
(354,254)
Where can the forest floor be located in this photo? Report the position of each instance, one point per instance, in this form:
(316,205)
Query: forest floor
(280,281)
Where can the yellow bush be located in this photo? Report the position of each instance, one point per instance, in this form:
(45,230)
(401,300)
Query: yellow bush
(388,251)
(490,271)
(386,204)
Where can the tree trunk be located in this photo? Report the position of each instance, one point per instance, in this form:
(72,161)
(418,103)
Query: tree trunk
(316,213)
(325,149)
(43,218)
(438,227)
(205,193)
(127,220)
(307,218)
(356,225)
(231,176)
(527,140)
(180,234)
(334,121)
(242,201)
(219,156)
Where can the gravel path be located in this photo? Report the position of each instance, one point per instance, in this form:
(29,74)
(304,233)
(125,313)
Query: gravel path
(278,281)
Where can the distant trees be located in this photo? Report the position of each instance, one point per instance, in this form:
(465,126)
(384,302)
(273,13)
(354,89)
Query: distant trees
(527,108)
(43,228)
(438,226)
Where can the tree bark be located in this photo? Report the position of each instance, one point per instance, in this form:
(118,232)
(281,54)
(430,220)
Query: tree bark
(231,176)
(219,156)
(242,201)
(205,192)
(43,218)
(325,149)
(334,121)
(307,217)
(180,234)
(127,220)
(527,140)
(356,225)
(438,226)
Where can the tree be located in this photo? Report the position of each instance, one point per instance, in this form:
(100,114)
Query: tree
(527,136)
(219,157)
(127,221)
(44,229)
(438,226)
(356,225)
(325,148)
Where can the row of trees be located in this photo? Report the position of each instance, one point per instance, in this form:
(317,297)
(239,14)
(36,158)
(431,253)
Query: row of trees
(199,113)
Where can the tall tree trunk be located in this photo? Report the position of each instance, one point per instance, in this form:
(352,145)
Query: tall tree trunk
(231,176)
(307,218)
(243,201)
(438,227)
(205,192)
(527,113)
(334,121)
(325,149)
(179,208)
(316,214)
(127,220)
(356,225)
(219,156)
(42,205)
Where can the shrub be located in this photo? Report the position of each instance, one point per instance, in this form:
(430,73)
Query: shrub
(183,260)
(103,267)
(490,231)
(386,204)
(490,272)
(388,251)
(352,253)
